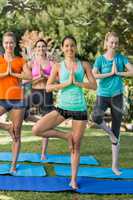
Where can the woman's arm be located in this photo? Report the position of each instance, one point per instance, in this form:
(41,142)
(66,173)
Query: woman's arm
(51,85)
(128,73)
(97,75)
(7,73)
(2,75)
(37,79)
(91,84)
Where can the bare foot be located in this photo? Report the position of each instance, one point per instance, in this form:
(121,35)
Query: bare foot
(70,142)
(73,185)
(43,157)
(13,169)
(116,171)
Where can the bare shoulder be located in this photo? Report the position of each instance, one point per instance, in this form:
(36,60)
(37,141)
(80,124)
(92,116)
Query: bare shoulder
(56,66)
(86,65)
(29,64)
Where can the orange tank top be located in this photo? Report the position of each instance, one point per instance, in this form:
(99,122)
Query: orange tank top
(10,86)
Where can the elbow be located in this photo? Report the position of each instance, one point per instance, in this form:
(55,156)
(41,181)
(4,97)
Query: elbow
(30,77)
(94,86)
(48,88)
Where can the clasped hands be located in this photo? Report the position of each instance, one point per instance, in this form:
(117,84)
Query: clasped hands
(9,72)
(9,69)
(114,69)
(71,79)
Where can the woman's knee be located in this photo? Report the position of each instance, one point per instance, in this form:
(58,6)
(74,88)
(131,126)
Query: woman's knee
(97,115)
(2,111)
(16,128)
(76,143)
(76,147)
(35,130)
(16,133)
(97,118)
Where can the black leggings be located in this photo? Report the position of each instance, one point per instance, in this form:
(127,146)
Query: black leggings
(41,100)
(116,105)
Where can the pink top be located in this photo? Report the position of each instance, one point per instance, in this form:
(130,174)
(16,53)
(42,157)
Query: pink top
(36,69)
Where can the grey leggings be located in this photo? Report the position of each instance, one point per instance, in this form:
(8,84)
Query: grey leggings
(116,105)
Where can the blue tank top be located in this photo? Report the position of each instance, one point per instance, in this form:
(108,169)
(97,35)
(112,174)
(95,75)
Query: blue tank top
(113,85)
(71,97)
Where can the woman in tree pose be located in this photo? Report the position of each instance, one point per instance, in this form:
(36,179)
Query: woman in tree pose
(109,68)
(40,99)
(71,102)
(12,70)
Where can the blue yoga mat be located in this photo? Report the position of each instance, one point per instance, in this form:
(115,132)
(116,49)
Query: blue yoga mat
(35,157)
(96,172)
(65,159)
(94,186)
(23,170)
(23,157)
(56,184)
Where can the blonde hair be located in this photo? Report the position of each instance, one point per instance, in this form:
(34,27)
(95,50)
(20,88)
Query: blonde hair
(109,34)
(9,34)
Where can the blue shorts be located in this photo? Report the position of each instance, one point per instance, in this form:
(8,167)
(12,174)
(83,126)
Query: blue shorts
(75,115)
(12,104)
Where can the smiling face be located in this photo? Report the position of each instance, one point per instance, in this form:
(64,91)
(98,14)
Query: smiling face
(69,47)
(41,48)
(9,44)
(112,43)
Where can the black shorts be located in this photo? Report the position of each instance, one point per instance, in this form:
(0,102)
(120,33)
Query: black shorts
(75,115)
(40,100)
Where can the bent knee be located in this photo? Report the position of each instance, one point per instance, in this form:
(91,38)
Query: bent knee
(97,116)
(97,119)
(35,130)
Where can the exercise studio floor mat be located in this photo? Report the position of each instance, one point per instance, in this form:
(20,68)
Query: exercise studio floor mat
(23,170)
(97,172)
(58,184)
(51,158)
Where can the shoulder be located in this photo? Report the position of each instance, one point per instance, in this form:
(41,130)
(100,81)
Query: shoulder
(121,57)
(85,64)
(20,59)
(31,63)
(99,58)
(1,58)
(56,66)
